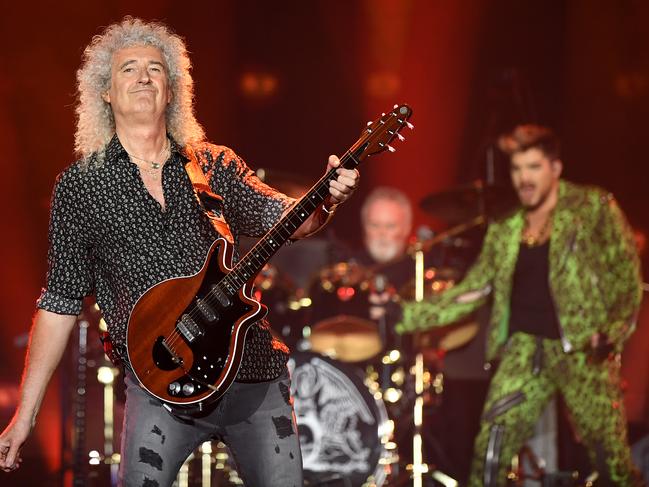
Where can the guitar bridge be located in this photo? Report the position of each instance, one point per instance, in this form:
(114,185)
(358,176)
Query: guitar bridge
(189,328)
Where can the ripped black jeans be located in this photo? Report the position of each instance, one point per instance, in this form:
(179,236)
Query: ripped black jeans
(256,421)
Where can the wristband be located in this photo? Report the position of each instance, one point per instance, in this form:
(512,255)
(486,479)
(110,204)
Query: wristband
(330,210)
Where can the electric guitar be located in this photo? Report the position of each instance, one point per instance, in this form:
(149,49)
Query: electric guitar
(186,335)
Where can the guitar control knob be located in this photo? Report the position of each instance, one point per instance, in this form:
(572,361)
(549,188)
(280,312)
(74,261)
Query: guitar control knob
(174,388)
(188,389)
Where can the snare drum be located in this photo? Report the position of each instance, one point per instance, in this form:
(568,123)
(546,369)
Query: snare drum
(343,428)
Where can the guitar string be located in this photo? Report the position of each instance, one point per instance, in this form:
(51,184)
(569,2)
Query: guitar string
(234,279)
(211,297)
(176,335)
(299,205)
(235,282)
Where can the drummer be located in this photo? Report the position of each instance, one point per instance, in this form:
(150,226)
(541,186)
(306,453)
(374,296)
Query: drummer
(364,286)
(386,218)
(372,280)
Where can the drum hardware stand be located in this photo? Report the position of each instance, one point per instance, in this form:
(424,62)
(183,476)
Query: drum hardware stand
(380,294)
(418,465)
(182,479)
(84,361)
(106,375)
(79,460)
(215,469)
(421,376)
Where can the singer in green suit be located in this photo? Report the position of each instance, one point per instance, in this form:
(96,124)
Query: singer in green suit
(563,275)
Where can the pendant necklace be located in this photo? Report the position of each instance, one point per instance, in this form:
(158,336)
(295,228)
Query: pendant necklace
(535,240)
(155,166)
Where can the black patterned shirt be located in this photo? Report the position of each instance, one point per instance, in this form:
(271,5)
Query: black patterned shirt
(110,237)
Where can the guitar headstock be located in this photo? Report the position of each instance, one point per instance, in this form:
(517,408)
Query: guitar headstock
(376,137)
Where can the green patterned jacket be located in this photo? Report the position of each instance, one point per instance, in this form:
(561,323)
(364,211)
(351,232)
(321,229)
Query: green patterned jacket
(594,274)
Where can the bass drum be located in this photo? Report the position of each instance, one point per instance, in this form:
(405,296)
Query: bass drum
(343,428)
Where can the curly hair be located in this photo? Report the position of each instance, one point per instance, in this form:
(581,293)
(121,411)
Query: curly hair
(95,121)
(530,136)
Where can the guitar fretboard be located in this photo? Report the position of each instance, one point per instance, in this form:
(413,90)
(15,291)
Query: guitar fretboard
(277,236)
(375,137)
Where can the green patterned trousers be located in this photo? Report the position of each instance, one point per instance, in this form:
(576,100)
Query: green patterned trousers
(532,370)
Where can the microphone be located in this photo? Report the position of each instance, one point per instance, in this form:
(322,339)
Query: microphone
(424,232)
(380,283)
(458,242)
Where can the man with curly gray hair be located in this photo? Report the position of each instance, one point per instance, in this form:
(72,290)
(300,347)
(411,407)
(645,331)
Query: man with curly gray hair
(124,217)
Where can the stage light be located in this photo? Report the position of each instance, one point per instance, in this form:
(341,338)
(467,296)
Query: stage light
(105,375)
(392,395)
(258,85)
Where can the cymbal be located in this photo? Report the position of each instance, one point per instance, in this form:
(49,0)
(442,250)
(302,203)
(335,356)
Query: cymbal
(346,338)
(291,184)
(270,277)
(458,337)
(465,202)
(446,338)
(343,274)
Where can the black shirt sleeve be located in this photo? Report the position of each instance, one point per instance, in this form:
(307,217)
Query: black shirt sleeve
(69,271)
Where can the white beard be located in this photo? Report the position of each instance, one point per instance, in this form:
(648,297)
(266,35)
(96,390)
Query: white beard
(383,250)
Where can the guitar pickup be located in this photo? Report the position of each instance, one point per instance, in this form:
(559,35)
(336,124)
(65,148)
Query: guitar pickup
(222,298)
(189,328)
(206,310)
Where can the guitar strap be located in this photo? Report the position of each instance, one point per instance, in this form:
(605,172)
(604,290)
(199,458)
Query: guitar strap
(210,202)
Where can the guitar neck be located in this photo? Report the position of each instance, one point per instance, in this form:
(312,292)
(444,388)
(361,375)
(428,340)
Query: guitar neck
(277,236)
(375,138)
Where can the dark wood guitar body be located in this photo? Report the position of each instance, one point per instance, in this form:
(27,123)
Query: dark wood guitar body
(209,346)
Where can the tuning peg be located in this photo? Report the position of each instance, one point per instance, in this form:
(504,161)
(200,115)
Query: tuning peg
(410,126)
(391,149)
(383,114)
(401,137)
(369,123)
(395,106)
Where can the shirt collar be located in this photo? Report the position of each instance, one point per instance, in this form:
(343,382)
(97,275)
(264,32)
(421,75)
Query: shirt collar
(115,151)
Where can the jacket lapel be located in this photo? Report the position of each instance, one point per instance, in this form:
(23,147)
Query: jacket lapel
(565,225)
(512,243)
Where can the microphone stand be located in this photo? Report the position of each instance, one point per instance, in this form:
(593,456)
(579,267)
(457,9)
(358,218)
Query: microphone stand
(417,251)
(425,245)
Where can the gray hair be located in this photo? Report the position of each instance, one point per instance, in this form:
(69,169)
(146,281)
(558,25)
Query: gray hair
(391,194)
(95,122)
